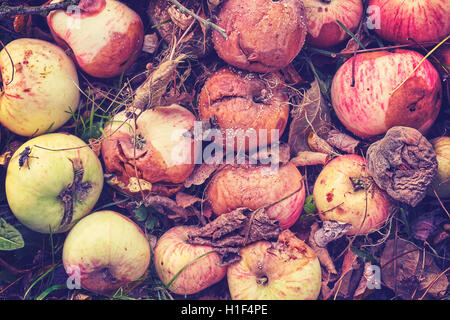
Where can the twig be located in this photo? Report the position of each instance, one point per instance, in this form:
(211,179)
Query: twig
(8,11)
(207,23)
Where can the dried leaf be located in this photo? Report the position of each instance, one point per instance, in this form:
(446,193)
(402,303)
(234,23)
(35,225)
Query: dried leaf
(311,114)
(404,269)
(185,200)
(151,43)
(322,253)
(330,231)
(342,141)
(201,174)
(309,158)
(181,20)
(318,144)
(291,75)
(231,231)
(96,146)
(167,206)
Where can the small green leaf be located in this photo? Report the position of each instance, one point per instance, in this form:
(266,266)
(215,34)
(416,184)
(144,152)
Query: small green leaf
(309,206)
(10,237)
(140,213)
(366,256)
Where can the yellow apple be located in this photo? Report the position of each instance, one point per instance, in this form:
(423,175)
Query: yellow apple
(40,87)
(106,250)
(52,181)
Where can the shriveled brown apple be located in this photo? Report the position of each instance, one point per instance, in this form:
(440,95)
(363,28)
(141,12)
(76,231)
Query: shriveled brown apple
(105,37)
(256,186)
(262,35)
(150,145)
(250,109)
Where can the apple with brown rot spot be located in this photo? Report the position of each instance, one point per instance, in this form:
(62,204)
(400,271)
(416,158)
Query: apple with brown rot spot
(106,250)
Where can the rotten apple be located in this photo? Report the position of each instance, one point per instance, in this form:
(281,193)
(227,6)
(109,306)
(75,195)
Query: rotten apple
(186,268)
(344,192)
(105,251)
(52,181)
(151,145)
(40,87)
(250,109)
(262,35)
(402,21)
(105,37)
(286,270)
(322,15)
(256,186)
(441,183)
(373,92)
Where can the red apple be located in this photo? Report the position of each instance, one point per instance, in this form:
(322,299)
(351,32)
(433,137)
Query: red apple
(175,257)
(255,186)
(106,37)
(262,35)
(322,15)
(105,251)
(441,183)
(420,20)
(345,193)
(366,102)
(285,270)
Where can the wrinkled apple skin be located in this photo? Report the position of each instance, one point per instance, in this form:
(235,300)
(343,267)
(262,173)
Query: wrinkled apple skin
(336,198)
(107,250)
(262,35)
(287,270)
(172,253)
(166,154)
(43,90)
(33,189)
(105,38)
(370,107)
(254,187)
(441,183)
(240,102)
(323,30)
(421,20)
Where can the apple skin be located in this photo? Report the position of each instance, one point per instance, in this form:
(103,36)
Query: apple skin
(286,270)
(105,38)
(43,90)
(172,253)
(441,183)
(337,200)
(108,250)
(33,189)
(253,187)
(231,96)
(421,20)
(323,30)
(166,155)
(281,33)
(369,109)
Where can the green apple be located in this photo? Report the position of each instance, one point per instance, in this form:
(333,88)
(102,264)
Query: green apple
(441,183)
(52,181)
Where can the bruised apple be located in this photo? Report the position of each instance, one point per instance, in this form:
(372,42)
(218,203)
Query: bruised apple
(419,20)
(105,251)
(256,186)
(345,193)
(186,268)
(250,109)
(105,37)
(151,145)
(285,270)
(367,98)
(52,181)
(262,35)
(40,87)
(322,16)
(441,183)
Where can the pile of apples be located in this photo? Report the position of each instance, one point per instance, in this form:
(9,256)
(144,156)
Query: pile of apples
(54,179)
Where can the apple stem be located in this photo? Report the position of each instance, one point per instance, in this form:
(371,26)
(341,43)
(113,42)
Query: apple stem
(8,11)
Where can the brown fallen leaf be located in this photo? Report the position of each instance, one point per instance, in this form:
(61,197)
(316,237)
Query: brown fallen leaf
(318,144)
(322,253)
(201,174)
(309,158)
(168,207)
(342,141)
(231,231)
(185,200)
(409,270)
(96,146)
